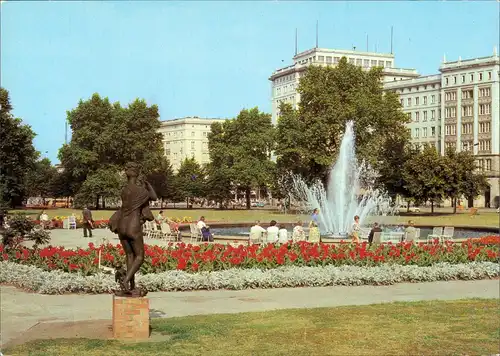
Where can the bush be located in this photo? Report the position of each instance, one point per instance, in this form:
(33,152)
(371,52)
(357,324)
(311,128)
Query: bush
(22,228)
(58,282)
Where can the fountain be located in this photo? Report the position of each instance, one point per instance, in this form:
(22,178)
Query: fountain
(349,192)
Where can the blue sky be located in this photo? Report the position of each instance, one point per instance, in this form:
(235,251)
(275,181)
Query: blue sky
(208,59)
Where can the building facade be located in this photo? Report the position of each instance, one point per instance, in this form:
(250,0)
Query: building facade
(420,98)
(186,138)
(285,81)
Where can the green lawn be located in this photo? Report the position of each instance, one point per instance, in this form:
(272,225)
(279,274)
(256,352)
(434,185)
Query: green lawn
(443,217)
(466,327)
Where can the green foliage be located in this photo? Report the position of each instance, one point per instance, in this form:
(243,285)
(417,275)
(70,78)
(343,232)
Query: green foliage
(40,179)
(218,184)
(190,180)
(17,153)
(163,180)
(105,137)
(103,183)
(462,177)
(425,176)
(308,140)
(22,228)
(240,150)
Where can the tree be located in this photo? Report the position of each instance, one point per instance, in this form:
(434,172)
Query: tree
(39,179)
(218,184)
(17,153)
(106,136)
(241,149)
(308,140)
(101,184)
(425,176)
(462,177)
(162,179)
(190,180)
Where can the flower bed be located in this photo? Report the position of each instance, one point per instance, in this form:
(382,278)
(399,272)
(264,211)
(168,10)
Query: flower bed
(58,282)
(488,240)
(217,257)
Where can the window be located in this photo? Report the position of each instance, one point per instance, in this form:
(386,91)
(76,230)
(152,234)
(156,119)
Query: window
(439,114)
(409,102)
(489,75)
(425,100)
(425,115)
(336,60)
(463,78)
(192,133)
(455,80)
(484,127)
(204,134)
(351,60)
(417,101)
(450,130)
(446,81)
(450,112)
(433,131)
(424,133)
(472,78)
(484,145)
(465,145)
(433,114)
(480,76)
(488,164)
(484,92)
(192,145)
(167,152)
(467,110)
(359,62)
(433,99)
(180,151)
(467,128)
(321,58)
(467,94)
(484,109)
(328,59)
(388,64)
(373,63)
(417,132)
(417,116)
(402,102)
(451,144)
(366,63)
(450,96)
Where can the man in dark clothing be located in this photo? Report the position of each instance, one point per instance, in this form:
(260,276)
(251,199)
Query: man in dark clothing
(87,222)
(375,228)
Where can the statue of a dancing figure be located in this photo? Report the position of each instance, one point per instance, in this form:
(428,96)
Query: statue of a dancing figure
(127,223)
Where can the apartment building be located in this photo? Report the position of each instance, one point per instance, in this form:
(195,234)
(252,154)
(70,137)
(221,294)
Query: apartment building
(185,138)
(420,98)
(285,81)
(464,98)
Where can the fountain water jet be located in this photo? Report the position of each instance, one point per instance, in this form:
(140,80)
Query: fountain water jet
(344,196)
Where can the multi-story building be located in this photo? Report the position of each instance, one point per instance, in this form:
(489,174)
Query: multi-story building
(185,138)
(471,111)
(467,114)
(420,98)
(286,80)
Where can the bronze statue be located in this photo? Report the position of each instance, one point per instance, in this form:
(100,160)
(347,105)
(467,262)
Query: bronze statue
(127,223)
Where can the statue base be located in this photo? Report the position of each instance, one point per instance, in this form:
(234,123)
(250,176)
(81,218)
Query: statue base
(130,318)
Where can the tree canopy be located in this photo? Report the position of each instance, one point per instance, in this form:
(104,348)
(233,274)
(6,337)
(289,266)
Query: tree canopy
(241,148)
(106,136)
(17,153)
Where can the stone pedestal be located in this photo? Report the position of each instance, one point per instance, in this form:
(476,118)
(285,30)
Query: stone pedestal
(130,318)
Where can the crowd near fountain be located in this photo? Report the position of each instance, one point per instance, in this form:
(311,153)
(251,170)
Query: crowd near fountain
(350,191)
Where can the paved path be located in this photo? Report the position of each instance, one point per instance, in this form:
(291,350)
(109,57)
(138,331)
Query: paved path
(20,310)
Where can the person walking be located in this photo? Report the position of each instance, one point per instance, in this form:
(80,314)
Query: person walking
(88,222)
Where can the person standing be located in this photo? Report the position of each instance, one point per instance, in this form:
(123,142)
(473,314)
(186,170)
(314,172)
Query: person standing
(356,228)
(88,222)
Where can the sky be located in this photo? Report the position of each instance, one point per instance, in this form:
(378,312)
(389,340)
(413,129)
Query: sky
(207,59)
